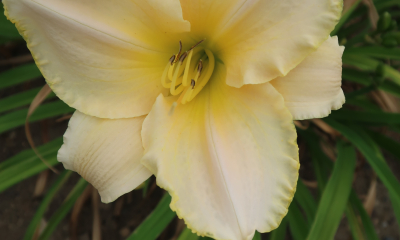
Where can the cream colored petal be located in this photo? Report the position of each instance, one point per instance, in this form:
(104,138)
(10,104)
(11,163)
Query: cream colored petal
(106,153)
(313,88)
(260,40)
(101,57)
(229,158)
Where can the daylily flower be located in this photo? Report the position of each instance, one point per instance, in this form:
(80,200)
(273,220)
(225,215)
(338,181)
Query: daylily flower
(202,94)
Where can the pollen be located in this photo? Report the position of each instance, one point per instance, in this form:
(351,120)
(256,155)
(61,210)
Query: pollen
(187,73)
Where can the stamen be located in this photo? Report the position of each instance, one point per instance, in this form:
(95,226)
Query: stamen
(182,58)
(207,76)
(186,74)
(200,66)
(197,44)
(179,53)
(175,91)
(193,79)
(172,59)
(164,75)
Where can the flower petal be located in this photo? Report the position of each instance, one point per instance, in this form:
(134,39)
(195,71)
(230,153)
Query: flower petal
(228,158)
(106,153)
(313,88)
(100,57)
(260,40)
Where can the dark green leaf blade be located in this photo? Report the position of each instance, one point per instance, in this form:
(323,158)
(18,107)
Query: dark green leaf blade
(371,152)
(20,99)
(62,178)
(334,198)
(17,118)
(64,209)
(26,164)
(280,232)
(156,222)
(19,75)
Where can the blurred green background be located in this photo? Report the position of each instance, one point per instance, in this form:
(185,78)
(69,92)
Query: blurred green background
(350,161)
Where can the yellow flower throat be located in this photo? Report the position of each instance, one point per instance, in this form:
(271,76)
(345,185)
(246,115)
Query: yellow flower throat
(187,73)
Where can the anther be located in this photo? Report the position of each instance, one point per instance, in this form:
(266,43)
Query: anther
(196,44)
(179,53)
(183,57)
(200,66)
(172,59)
(193,83)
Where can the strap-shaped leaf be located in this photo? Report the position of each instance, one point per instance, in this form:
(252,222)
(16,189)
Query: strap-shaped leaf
(62,178)
(334,198)
(297,224)
(355,212)
(26,164)
(306,201)
(371,151)
(370,64)
(64,209)
(19,100)
(156,222)
(368,117)
(17,118)
(19,75)
(280,232)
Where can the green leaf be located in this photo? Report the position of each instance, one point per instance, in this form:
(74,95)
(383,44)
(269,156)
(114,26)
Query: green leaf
(345,17)
(355,225)
(369,64)
(322,164)
(372,154)
(376,51)
(373,117)
(17,118)
(64,209)
(386,143)
(335,196)
(156,222)
(20,99)
(306,201)
(188,235)
(367,226)
(18,75)
(29,155)
(26,164)
(257,236)
(280,232)
(62,178)
(365,79)
(364,103)
(297,224)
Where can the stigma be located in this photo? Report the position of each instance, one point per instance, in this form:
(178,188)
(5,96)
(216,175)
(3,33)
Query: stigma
(186,73)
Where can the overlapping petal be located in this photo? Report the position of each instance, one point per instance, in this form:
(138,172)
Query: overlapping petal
(313,88)
(260,40)
(228,158)
(106,153)
(101,57)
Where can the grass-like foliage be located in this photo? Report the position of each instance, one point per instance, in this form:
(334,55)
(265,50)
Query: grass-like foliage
(334,146)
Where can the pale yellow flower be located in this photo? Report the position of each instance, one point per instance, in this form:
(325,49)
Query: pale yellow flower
(221,140)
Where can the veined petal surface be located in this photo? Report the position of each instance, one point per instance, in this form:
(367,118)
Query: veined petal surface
(104,58)
(260,40)
(228,158)
(313,88)
(106,153)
